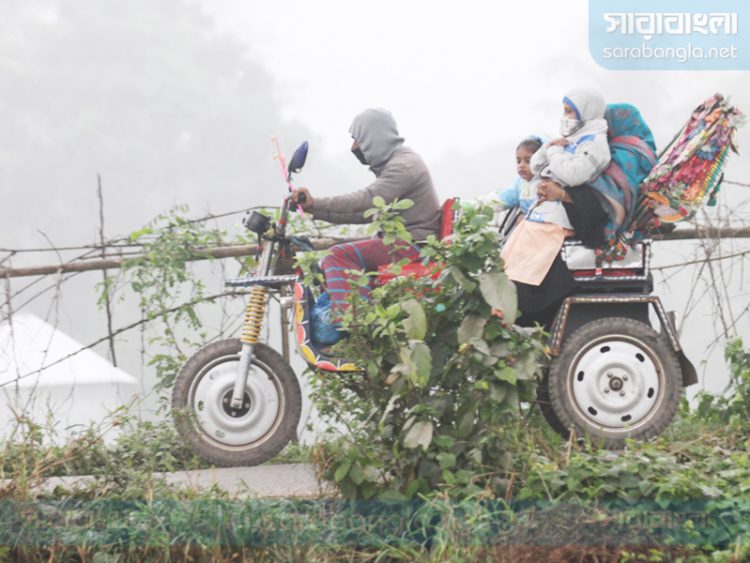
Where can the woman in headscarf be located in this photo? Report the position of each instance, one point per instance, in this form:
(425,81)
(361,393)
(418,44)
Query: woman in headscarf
(532,251)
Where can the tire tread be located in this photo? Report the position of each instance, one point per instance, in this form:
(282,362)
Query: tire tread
(561,403)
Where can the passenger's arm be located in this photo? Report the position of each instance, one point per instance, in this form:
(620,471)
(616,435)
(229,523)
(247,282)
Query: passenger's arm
(552,191)
(511,196)
(581,167)
(539,160)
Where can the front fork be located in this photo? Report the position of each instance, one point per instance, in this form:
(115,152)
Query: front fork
(251,329)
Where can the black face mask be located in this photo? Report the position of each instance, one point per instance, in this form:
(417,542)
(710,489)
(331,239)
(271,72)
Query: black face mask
(360,155)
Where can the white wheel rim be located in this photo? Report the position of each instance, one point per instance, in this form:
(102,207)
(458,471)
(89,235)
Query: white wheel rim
(616,384)
(261,412)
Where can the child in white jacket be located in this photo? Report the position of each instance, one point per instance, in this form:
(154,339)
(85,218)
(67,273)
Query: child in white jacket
(578,157)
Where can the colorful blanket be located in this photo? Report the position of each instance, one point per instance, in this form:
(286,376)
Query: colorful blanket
(688,174)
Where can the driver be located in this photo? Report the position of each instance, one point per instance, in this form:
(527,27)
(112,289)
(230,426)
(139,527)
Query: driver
(399,173)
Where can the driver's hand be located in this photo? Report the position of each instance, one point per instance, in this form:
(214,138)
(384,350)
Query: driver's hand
(303,198)
(561,142)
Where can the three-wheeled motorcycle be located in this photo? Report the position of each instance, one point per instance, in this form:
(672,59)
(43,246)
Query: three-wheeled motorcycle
(612,375)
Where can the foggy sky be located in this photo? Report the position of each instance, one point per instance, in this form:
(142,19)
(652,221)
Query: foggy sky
(175,102)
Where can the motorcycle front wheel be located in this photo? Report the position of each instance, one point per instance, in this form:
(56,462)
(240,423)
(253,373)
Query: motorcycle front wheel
(226,436)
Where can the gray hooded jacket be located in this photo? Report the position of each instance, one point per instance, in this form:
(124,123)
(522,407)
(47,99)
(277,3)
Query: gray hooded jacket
(399,171)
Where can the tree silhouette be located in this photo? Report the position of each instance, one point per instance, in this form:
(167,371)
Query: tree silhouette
(145,92)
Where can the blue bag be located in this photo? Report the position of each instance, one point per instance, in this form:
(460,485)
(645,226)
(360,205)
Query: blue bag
(324,331)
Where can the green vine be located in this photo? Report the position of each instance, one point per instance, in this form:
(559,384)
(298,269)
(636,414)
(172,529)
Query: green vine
(168,289)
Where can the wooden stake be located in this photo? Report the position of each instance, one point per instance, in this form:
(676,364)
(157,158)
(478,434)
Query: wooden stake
(105,277)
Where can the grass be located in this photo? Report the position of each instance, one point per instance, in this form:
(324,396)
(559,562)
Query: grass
(568,501)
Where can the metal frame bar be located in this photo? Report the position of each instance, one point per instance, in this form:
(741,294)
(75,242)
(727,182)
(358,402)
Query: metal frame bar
(561,320)
(268,281)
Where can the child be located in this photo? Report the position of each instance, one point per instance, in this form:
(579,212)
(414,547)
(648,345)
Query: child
(578,157)
(520,192)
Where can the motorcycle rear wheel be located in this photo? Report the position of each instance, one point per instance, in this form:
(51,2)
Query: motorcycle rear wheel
(615,378)
(255,432)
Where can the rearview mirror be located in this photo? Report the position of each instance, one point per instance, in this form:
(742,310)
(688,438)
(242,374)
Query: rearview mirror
(298,159)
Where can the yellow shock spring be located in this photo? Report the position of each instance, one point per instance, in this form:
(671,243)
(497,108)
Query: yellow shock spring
(254,313)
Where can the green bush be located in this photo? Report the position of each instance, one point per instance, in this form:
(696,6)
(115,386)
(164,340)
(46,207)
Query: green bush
(733,406)
(444,372)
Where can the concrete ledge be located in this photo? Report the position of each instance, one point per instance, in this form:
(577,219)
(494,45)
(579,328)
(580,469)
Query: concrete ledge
(295,480)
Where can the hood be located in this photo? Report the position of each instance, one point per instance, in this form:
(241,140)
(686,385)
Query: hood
(589,106)
(377,135)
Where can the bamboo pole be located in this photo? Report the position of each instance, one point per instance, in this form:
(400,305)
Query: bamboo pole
(234,251)
(114,262)
(705,233)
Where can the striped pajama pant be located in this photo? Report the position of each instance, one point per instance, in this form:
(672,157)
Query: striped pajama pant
(363,255)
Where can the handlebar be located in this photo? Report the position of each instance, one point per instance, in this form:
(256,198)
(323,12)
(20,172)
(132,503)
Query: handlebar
(301,199)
